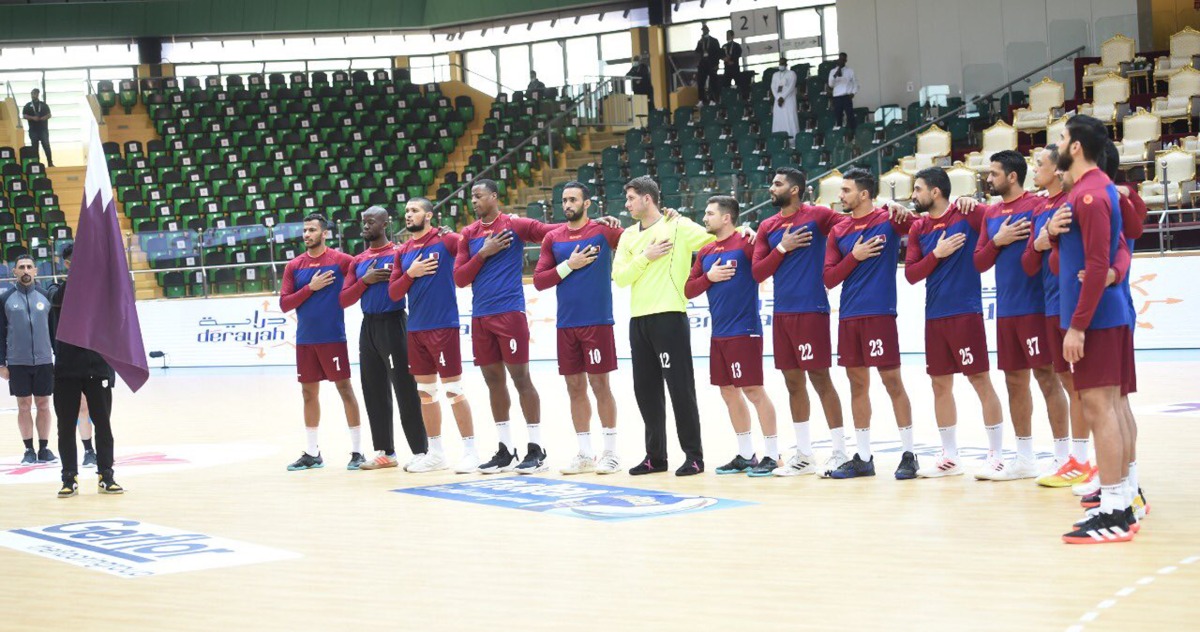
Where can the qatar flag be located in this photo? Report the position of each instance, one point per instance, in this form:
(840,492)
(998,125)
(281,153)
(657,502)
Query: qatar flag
(99,312)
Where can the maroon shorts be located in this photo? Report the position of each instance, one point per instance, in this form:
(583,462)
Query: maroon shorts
(956,344)
(1104,359)
(591,349)
(868,341)
(1021,342)
(500,338)
(1054,340)
(1130,383)
(435,351)
(802,341)
(324,361)
(736,361)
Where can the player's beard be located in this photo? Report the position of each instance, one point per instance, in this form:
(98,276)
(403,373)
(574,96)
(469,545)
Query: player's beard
(921,208)
(415,227)
(572,215)
(1065,162)
(780,201)
(26,279)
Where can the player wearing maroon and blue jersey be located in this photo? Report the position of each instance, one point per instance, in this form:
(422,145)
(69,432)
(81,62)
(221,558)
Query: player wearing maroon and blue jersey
(955,340)
(1020,315)
(434,348)
(311,284)
(723,270)
(861,256)
(576,260)
(791,249)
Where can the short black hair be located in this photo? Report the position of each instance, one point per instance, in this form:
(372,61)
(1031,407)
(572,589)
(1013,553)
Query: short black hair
(795,177)
(424,203)
(843,55)
(488,184)
(1110,160)
(319,218)
(21,258)
(645,185)
(935,178)
(1090,133)
(729,32)
(1011,162)
(863,179)
(583,188)
(67,252)
(727,204)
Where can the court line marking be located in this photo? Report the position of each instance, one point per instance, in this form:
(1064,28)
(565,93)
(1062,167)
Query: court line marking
(1107,604)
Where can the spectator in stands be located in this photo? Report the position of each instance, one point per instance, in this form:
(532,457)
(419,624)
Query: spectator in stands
(784,116)
(535,87)
(640,72)
(844,86)
(732,54)
(709,50)
(26,358)
(37,113)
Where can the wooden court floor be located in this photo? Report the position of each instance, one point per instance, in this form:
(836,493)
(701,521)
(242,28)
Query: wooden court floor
(805,554)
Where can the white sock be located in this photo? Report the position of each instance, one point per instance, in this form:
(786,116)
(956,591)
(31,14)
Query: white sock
(949,441)
(505,435)
(585,443)
(356,439)
(1133,477)
(311,436)
(435,445)
(839,440)
(610,440)
(1079,450)
(1112,498)
(803,441)
(995,435)
(745,445)
(1025,447)
(1062,449)
(469,445)
(772,446)
(535,433)
(863,437)
(906,438)
(1126,494)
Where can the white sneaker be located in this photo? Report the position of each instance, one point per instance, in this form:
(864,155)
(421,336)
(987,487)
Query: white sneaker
(836,460)
(943,466)
(1014,469)
(430,462)
(1088,488)
(468,464)
(416,458)
(580,465)
(800,463)
(609,463)
(1052,466)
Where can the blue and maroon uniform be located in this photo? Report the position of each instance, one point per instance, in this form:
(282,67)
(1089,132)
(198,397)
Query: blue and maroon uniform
(433,327)
(1038,264)
(736,350)
(320,319)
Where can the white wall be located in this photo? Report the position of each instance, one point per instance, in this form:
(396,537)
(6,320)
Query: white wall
(970,45)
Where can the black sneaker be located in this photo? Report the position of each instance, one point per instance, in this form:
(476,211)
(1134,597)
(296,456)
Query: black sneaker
(648,466)
(30,457)
(1090,502)
(854,468)
(908,467)
(691,468)
(106,485)
(766,467)
(46,456)
(89,458)
(738,465)
(356,461)
(70,487)
(503,461)
(1102,528)
(535,460)
(306,462)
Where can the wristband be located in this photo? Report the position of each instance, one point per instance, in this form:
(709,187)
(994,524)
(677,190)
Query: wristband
(563,270)
(781,250)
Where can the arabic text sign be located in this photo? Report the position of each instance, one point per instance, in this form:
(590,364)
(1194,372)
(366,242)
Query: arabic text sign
(568,498)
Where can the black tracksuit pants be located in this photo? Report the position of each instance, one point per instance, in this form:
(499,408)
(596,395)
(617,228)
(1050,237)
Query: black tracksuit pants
(662,350)
(98,392)
(383,368)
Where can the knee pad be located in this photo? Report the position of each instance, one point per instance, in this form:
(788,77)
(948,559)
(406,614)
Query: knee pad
(430,390)
(455,392)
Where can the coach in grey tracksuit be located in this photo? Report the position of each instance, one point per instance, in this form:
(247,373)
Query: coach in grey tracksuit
(26,357)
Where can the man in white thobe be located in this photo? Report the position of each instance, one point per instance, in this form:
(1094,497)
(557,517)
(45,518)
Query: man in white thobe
(784,118)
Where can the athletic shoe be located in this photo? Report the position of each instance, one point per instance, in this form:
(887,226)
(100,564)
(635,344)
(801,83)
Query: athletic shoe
(306,462)
(89,458)
(429,462)
(46,456)
(766,466)
(416,458)
(1140,506)
(1015,468)
(69,488)
(739,465)
(580,465)
(1089,502)
(944,466)
(1087,488)
(835,460)
(609,463)
(30,457)
(1067,474)
(907,470)
(1129,518)
(648,466)
(380,461)
(106,485)
(535,460)
(468,464)
(854,468)
(799,464)
(1102,528)
(691,468)
(503,461)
